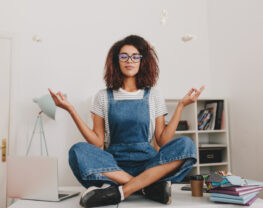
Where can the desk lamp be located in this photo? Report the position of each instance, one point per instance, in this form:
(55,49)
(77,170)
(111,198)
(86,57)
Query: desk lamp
(48,107)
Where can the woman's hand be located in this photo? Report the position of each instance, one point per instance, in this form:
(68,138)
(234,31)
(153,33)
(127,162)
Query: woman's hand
(60,100)
(191,98)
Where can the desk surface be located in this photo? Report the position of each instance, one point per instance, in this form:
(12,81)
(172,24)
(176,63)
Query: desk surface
(181,199)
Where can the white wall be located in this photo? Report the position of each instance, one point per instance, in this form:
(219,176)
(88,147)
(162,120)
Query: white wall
(76,38)
(235,34)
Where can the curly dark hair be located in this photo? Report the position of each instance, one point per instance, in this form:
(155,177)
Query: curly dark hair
(149,70)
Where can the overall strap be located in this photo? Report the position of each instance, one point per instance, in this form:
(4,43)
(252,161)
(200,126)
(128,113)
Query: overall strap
(110,94)
(146,93)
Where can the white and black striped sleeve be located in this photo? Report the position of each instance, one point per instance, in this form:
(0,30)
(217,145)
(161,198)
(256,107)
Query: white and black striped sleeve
(159,102)
(98,107)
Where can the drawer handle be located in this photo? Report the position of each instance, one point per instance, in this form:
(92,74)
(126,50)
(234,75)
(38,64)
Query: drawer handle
(210,156)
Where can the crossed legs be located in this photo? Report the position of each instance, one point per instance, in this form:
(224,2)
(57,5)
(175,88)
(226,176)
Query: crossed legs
(149,176)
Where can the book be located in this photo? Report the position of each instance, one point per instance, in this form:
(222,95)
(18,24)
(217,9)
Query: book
(200,114)
(204,118)
(243,183)
(219,111)
(213,106)
(250,182)
(240,198)
(235,193)
(247,202)
(240,188)
(223,120)
(207,126)
(251,201)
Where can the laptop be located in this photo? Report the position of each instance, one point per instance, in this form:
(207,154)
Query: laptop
(34,178)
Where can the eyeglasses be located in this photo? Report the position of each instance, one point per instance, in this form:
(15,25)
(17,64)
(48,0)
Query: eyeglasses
(125,57)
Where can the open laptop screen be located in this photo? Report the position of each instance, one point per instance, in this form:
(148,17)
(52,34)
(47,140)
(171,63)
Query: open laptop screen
(32,177)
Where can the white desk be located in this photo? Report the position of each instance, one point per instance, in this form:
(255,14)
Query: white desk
(67,203)
(181,199)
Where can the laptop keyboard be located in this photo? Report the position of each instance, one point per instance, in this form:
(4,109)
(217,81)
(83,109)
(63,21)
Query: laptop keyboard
(62,195)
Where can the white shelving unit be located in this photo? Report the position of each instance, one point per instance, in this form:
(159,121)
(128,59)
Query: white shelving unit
(208,139)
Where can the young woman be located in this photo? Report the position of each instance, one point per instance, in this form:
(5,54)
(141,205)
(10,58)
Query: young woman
(130,113)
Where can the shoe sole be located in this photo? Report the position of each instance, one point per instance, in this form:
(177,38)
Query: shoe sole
(170,189)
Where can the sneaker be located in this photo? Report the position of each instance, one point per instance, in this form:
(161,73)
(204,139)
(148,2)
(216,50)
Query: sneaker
(159,191)
(105,185)
(100,196)
(140,192)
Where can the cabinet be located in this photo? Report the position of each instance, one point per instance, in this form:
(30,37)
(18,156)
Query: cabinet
(203,139)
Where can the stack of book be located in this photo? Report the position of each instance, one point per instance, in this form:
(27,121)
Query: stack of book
(212,116)
(227,188)
(243,195)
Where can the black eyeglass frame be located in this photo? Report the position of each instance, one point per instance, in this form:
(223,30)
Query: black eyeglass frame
(130,57)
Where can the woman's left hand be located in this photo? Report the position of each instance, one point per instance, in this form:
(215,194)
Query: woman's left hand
(191,98)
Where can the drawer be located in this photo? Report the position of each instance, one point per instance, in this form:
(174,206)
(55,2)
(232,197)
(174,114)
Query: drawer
(210,155)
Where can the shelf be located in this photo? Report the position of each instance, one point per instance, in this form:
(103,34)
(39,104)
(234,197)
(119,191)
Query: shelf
(212,164)
(200,131)
(203,139)
(212,131)
(199,99)
(211,145)
(185,132)
(210,99)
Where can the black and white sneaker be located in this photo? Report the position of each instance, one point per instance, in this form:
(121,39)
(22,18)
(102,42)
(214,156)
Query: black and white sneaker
(91,189)
(100,196)
(159,191)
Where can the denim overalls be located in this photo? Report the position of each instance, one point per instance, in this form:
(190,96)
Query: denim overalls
(129,149)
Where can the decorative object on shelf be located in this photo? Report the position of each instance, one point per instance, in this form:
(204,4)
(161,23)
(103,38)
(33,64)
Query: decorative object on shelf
(164,17)
(37,38)
(152,46)
(182,126)
(188,37)
(48,107)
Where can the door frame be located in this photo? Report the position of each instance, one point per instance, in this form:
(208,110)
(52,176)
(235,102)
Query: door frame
(10,140)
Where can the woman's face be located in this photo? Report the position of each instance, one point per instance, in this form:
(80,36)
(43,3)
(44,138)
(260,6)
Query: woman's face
(130,67)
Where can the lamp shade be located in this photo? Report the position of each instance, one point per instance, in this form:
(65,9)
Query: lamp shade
(47,105)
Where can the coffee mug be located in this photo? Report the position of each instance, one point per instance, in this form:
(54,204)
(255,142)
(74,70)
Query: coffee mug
(197,182)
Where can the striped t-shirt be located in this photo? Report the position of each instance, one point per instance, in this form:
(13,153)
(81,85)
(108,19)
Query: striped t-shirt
(156,104)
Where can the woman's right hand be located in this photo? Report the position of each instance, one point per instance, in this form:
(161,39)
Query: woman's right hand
(60,100)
